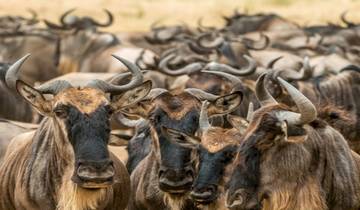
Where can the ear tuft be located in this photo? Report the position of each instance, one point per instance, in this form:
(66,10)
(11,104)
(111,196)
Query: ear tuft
(132,96)
(34,97)
(181,138)
(225,104)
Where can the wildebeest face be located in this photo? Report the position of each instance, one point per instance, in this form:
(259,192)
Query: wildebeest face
(76,47)
(179,112)
(265,135)
(216,149)
(176,168)
(81,118)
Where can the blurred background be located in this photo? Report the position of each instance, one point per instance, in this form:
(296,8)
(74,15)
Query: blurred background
(137,15)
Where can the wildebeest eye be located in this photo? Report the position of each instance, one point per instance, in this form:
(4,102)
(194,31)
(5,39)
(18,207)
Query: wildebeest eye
(109,110)
(229,155)
(61,112)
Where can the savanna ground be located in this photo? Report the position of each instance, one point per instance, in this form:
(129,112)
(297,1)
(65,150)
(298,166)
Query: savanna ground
(137,15)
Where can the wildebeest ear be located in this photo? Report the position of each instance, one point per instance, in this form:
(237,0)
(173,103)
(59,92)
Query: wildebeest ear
(238,122)
(283,137)
(180,138)
(131,97)
(34,97)
(286,134)
(225,104)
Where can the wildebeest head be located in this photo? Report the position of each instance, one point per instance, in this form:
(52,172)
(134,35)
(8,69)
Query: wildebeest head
(69,22)
(79,118)
(273,126)
(216,148)
(178,111)
(75,48)
(244,23)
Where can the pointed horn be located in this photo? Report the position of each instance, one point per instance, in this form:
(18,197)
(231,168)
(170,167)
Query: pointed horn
(202,27)
(233,79)
(127,122)
(63,16)
(304,73)
(271,64)
(217,42)
(12,74)
(258,45)
(108,22)
(250,69)
(343,19)
(54,87)
(110,88)
(261,92)
(188,69)
(204,124)
(306,108)
(55,26)
(154,93)
(250,113)
(34,16)
(201,95)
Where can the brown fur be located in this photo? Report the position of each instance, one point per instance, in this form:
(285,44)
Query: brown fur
(317,170)
(36,175)
(37,167)
(86,100)
(217,138)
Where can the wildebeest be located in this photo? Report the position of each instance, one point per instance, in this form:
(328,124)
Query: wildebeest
(290,160)
(69,22)
(216,147)
(65,163)
(164,177)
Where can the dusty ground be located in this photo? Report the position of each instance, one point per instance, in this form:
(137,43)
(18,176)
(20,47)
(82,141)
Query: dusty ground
(137,15)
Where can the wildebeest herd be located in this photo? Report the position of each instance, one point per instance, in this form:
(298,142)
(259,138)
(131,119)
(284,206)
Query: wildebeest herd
(258,114)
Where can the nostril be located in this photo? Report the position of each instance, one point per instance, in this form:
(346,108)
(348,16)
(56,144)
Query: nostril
(189,173)
(161,172)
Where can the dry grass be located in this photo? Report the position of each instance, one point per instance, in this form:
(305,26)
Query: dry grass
(137,15)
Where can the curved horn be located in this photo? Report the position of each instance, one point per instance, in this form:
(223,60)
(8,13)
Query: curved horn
(250,69)
(217,42)
(12,74)
(63,16)
(54,87)
(204,124)
(200,94)
(202,27)
(233,79)
(343,19)
(250,113)
(271,64)
(251,44)
(304,73)
(127,122)
(188,69)
(154,93)
(155,24)
(263,96)
(110,88)
(55,26)
(34,16)
(118,78)
(307,109)
(108,22)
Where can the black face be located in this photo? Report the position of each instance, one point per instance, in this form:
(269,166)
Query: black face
(139,147)
(211,170)
(244,182)
(176,168)
(89,135)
